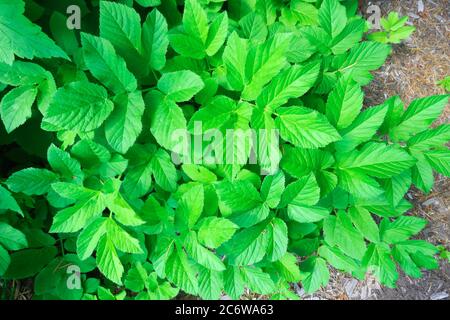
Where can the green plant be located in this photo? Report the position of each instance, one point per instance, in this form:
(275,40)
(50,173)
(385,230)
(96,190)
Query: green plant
(394,29)
(87,150)
(445,83)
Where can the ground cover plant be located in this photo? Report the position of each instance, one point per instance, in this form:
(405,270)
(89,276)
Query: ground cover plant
(98,200)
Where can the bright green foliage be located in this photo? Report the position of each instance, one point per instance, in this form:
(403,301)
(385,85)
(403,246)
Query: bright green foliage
(93,177)
(395,29)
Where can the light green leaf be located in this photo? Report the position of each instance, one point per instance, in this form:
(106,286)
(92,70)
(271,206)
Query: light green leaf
(78,106)
(90,236)
(155,39)
(217,34)
(108,261)
(402,229)
(15,107)
(180,86)
(12,238)
(314,274)
(278,240)
(305,127)
(213,231)
(180,272)
(7,201)
(105,65)
(124,125)
(378,160)
(419,116)
(202,255)
(332,17)
(348,239)
(195,21)
(291,83)
(344,102)
(166,120)
(75,218)
(31,181)
(364,223)
(264,61)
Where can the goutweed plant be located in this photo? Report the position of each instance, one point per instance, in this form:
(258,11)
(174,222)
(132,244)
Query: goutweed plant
(98,200)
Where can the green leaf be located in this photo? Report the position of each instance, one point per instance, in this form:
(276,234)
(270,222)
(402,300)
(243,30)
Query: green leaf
(264,61)
(181,85)
(190,207)
(20,266)
(278,240)
(155,39)
(64,164)
(166,120)
(439,160)
(338,259)
(402,229)
(272,188)
(344,102)
(314,274)
(180,272)
(123,212)
(121,239)
(108,261)
(364,223)
(78,106)
(164,170)
(247,246)
(15,107)
(257,280)
(234,282)
(305,128)
(234,58)
(217,34)
(349,37)
(24,39)
(364,57)
(332,17)
(8,202)
(348,239)
(106,66)
(430,138)
(11,238)
(195,21)
(90,236)
(75,218)
(213,231)
(287,266)
(378,259)
(291,83)
(362,129)
(239,196)
(210,284)
(378,160)
(5,260)
(121,25)
(124,125)
(419,116)
(31,181)
(202,255)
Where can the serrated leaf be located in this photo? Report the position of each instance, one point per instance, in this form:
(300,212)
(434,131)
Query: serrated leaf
(305,128)
(124,125)
(108,67)
(78,106)
(15,107)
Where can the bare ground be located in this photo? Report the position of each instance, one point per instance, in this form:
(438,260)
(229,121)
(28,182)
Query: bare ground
(412,72)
